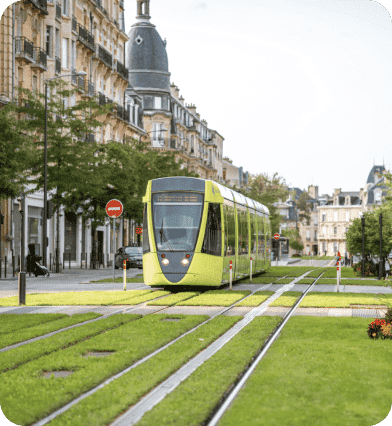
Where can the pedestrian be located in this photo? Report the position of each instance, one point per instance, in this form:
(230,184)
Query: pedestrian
(387,269)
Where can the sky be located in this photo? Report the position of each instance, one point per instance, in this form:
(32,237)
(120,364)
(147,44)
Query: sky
(298,87)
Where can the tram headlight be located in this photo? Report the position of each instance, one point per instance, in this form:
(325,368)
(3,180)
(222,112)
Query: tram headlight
(165,261)
(185,262)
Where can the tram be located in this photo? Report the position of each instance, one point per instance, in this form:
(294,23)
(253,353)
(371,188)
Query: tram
(193,228)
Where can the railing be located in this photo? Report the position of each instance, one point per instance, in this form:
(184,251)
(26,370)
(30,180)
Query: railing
(41,5)
(90,137)
(24,47)
(39,57)
(57,65)
(58,10)
(74,78)
(160,143)
(116,23)
(105,56)
(90,88)
(122,70)
(101,99)
(86,38)
(122,3)
(74,24)
(80,82)
(99,5)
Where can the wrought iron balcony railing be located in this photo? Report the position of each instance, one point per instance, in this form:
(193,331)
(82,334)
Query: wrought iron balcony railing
(90,88)
(24,48)
(99,5)
(103,55)
(58,10)
(90,137)
(101,99)
(57,65)
(80,82)
(39,57)
(122,70)
(74,78)
(86,38)
(74,24)
(41,5)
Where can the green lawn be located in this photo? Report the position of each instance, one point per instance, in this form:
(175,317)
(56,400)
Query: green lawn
(317,257)
(321,371)
(191,403)
(14,322)
(316,273)
(344,300)
(31,331)
(288,298)
(129,388)
(173,299)
(74,298)
(290,271)
(284,281)
(216,298)
(306,281)
(256,299)
(350,281)
(143,298)
(260,279)
(18,356)
(347,272)
(27,396)
(137,279)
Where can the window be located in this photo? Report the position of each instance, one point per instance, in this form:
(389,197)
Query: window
(323,217)
(73,55)
(335,231)
(157,102)
(57,53)
(146,242)
(377,196)
(315,235)
(335,216)
(315,221)
(64,56)
(324,247)
(66,7)
(49,41)
(35,83)
(324,230)
(212,243)
(347,216)
(335,246)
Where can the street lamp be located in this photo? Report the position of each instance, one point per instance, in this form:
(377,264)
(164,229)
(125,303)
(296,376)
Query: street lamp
(44,225)
(380,271)
(363,244)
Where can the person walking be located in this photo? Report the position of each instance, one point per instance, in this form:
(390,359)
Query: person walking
(387,269)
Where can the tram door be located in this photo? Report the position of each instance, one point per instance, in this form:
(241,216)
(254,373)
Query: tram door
(229,240)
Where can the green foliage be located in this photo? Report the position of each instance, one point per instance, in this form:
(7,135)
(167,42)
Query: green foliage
(173,299)
(216,298)
(303,207)
(294,238)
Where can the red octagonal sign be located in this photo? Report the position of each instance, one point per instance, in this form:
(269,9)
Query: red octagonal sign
(114,208)
(276,236)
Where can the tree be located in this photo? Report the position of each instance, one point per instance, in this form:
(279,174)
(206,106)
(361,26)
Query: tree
(303,208)
(267,191)
(294,239)
(15,155)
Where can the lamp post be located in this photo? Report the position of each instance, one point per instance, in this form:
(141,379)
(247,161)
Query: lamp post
(363,245)
(44,225)
(380,272)
(22,272)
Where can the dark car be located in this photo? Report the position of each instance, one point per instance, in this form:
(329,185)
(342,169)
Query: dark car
(133,256)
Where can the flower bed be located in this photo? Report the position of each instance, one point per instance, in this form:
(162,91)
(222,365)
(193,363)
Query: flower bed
(381,328)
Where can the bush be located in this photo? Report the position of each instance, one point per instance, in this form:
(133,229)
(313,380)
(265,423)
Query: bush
(388,316)
(370,269)
(296,255)
(374,330)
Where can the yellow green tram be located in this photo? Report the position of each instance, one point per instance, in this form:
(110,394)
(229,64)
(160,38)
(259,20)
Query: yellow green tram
(193,228)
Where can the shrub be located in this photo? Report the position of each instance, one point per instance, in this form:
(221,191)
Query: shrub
(388,316)
(370,269)
(374,330)
(386,331)
(296,255)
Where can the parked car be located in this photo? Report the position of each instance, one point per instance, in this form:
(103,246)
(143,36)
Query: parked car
(133,256)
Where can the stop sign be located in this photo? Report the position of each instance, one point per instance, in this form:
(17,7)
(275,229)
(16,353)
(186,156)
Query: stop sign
(276,236)
(114,208)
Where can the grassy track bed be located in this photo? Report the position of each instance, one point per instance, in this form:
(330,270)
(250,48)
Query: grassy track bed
(75,298)
(289,271)
(121,280)
(27,396)
(151,295)
(284,281)
(216,298)
(173,299)
(305,281)
(343,300)
(317,257)
(347,272)
(14,322)
(128,389)
(18,356)
(41,329)
(321,371)
(350,281)
(288,298)
(316,273)
(256,299)
(260,279)
(193,400)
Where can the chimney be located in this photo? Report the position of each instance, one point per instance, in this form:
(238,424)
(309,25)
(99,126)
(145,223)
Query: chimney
(174,91)
(336,192)
(192,108)
(181,99)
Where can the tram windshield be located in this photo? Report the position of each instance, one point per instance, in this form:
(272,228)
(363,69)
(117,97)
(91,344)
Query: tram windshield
(176,219)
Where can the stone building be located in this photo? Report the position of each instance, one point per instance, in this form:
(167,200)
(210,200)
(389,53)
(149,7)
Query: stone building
(234,176)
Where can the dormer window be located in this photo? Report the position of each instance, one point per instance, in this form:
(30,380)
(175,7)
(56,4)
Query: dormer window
(377,196)
(157,102)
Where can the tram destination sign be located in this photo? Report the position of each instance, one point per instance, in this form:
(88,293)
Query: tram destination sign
(276,237)
(114,208)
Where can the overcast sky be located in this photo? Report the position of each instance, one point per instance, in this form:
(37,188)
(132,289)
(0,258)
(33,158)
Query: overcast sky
(298,87)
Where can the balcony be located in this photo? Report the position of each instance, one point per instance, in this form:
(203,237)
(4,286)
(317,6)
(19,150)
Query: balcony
(116,23)
(41,5)
(122,70)
(80,82)
(86,38)
(74,24)
(160,143)
(39,56)
(90,88)
(122,4)
(103,55)
(101,99)
(90,137)
(24,49)
(101,8)
(57,68)
(58,11)
(74,78)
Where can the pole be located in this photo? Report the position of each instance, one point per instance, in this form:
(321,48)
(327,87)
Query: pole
(337,276)
(44,223)
(363,246)
(231,274)
(125,274)
(250,269)
(380,272)
(22,273)
(113,254)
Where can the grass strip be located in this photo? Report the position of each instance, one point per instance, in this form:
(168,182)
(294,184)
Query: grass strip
(305,281)
(256,299)
(74,298)
(216,298)
(129,388)
(136,279)
(26,396)
(291,271)
(34,350)
(173,299)
(321,371)
(194,399)
(42,329)
(355,282)
(144,298)
(284,281)
(288,298)
(14,322)
(347,272)
(316,273)
(259,280)
(317,257)
(343,300)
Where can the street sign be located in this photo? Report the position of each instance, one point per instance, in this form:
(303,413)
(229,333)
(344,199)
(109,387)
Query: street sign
(139,230)
(114,208)
(276,237)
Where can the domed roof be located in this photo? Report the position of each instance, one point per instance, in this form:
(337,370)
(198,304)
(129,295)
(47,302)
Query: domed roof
(373,175)
(146,55)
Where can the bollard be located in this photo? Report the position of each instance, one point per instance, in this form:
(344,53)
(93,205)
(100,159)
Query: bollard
(337,276)
(5,267)
(63,260)
(231,274)
(0,267)
(13,266)
(250,269)
(69,260)
(125,274)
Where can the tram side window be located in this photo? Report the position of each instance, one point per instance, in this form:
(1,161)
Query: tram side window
(261,232)
(229,230)
(212,243)
(242,230)
(268,233)
(146,242)
(253,235)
